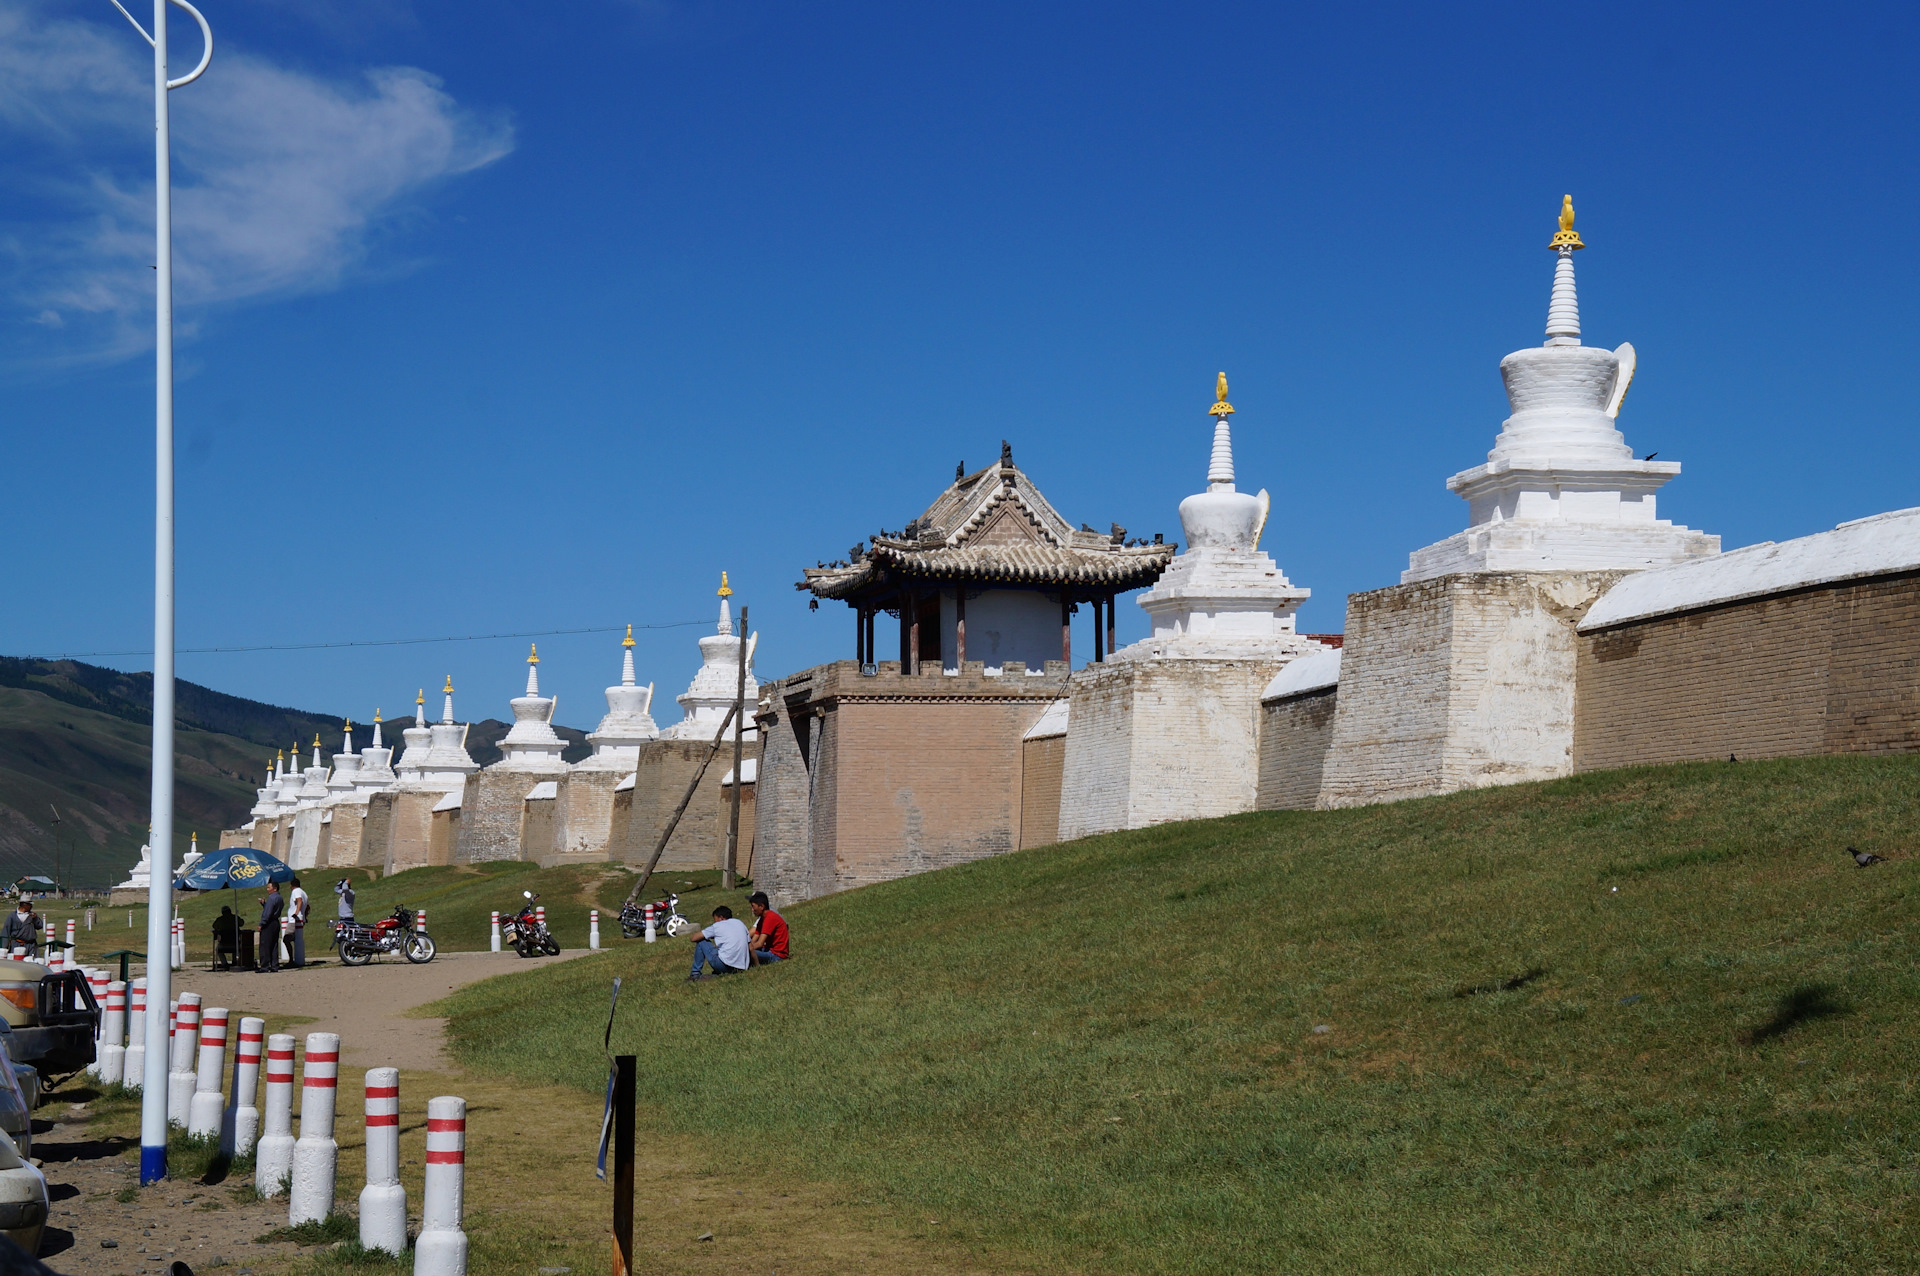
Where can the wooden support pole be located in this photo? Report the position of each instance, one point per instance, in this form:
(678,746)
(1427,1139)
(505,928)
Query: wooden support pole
(739,733)
(623,1073)
(1099,636)
(960,627)
(1110,624)
(871,657)
(913,640)
(1066,630)
(860,635)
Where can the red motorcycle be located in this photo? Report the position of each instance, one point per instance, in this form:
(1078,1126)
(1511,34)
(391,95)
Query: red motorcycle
(527,933)
(393,934)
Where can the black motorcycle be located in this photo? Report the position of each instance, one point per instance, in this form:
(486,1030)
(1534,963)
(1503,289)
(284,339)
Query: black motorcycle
(394,934)
(527,933)
(666,916)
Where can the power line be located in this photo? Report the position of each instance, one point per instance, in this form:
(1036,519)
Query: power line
(387,642)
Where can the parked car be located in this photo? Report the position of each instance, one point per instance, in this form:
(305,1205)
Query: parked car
(23,1188)
(52,1016)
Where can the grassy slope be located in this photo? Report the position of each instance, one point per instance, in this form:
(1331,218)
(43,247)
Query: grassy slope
(1107,1049)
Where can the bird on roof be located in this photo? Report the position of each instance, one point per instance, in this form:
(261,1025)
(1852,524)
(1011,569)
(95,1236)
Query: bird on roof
(1865,859)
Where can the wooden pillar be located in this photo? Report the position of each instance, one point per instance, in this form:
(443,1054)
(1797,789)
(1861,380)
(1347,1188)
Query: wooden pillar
(906,618)
(1066,631)
(1110,624)
(913,632)
(860,635)
(871,657)
(1099,637)
(960,627)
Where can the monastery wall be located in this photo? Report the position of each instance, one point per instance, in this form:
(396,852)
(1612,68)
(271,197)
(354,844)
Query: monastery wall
(783,814)
(1159,740)
(410,829)
(665,769)
(585,833)
(344,842)
(1462,681)
(1295,732)
(1823,669)
(1041,764)
(492,811)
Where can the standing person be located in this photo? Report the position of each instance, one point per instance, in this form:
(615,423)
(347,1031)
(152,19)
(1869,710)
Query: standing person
(769,931)
(298,906)
(344,889)
(272,910)
(723,945)
(22,929)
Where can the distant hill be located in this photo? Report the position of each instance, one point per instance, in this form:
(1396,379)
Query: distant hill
(75,737)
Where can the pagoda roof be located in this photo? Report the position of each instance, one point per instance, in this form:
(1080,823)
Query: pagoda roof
(993,526)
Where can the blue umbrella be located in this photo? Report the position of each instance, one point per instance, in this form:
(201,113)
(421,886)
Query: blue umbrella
(236,866)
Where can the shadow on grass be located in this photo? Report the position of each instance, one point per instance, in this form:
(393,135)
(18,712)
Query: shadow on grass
(1506,985)
(331,1230)
(1809,1001)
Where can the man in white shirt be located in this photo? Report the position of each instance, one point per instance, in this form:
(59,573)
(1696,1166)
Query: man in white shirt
(298,906)
(723,945)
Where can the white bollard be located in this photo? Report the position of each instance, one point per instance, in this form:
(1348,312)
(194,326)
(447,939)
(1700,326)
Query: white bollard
(53,954)
(441,1248)
(273,1155)
(133,1070)
(650,929)
(113,1031)
(179,944)
(420,922)
(496,932)
(593,928)
(383,1202)
(316,1155)
(180,1074)
(205,1107)
(241,1126)
(540,913)
(67,962)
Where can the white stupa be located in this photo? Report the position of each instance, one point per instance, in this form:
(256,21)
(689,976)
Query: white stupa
(1221,597)
(264,804)
(142,876)
(628,724)
(532,744)
(416,740)
(287,795)
(1561,490)
(346,765)
(315,788)
(711,694)
(375,770)
(192,856)
(447,763)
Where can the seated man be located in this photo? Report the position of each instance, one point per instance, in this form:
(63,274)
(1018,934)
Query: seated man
(769,931)
(226,938)
(722,945)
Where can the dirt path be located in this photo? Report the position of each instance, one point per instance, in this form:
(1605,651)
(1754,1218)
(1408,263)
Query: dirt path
(90,1151)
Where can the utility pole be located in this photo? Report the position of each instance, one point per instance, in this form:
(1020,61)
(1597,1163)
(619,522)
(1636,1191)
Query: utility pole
(153,1094)
(739,718)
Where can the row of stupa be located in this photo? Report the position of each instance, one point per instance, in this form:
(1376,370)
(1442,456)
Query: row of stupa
(296,814)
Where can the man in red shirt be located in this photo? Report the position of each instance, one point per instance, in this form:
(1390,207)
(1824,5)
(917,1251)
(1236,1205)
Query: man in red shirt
(769,931)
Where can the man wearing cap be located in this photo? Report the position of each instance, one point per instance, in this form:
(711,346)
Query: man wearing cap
(769,931)
(22,929)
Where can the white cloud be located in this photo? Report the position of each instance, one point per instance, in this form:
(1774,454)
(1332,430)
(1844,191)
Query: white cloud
(281,177)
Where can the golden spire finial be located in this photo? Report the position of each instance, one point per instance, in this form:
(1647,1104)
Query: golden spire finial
(533,657)
(628,640)
(422,697)
(725,592)
(376,715)
(1568,237)
(316,739)
(449,689)
(279,755)
(1221,407)
(349,724)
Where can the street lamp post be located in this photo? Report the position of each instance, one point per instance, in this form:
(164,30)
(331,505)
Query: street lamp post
(153,1093)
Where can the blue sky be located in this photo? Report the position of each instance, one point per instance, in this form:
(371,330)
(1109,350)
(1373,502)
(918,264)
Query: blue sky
(500,318)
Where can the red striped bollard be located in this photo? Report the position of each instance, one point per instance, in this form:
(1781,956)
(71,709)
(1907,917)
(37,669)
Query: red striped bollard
(383,1202)
(205,1106)
(441,1248)
(66,954)
(113,1030)
(181,1077)
(420,922)
(133,1072)
(273,1155)
(540,913)
(316,1154)
(593,928)
(650,930)
(496,931)
(242,1125)
(53,953)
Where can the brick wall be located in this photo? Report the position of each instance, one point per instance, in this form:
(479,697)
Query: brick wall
(492,813)
(1040,766)
(1158,740)
(661,777)
(1834,669)
(782,815)
(1294,735)
(410,836)
(539,823)
(376,835)
(586,825)
(343,843)
(1457,682)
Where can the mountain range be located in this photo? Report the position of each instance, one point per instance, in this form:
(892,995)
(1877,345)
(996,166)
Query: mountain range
(76,763)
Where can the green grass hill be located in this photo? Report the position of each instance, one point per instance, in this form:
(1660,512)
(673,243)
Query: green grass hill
(1651,1020)
(74,737)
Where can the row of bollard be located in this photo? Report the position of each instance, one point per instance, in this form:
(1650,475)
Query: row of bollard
(303,1168)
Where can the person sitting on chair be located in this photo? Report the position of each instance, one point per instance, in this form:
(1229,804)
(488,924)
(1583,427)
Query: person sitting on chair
(722,945)
(22,929)
(226,938)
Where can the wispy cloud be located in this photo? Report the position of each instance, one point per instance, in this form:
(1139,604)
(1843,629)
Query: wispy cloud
(282,178)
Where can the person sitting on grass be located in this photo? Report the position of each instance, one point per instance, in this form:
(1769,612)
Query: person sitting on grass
(769,930)
(226,938)
(723,945)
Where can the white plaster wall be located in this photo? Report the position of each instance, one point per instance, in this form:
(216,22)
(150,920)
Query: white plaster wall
(1002,625)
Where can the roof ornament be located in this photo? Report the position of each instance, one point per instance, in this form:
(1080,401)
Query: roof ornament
(1221,407)
(628,640)
(1563,312)
(533,656)
(420,708)
(725,590)
(449,686)
(1006,454)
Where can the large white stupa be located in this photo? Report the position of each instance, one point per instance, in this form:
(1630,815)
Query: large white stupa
(629,721)
(1222,597)
(711,694)
(532,744)
(447,763)
(1561,490)
(375,770)
(415,741)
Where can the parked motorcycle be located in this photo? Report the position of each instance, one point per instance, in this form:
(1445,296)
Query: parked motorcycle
(666,914)
(527,933)
(393,934)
